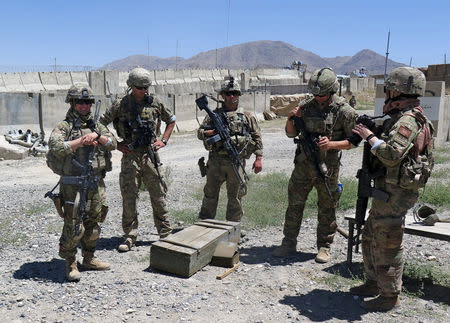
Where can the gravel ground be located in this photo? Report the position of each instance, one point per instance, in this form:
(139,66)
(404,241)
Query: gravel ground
(262,289)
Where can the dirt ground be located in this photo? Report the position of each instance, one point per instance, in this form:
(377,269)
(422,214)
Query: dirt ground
(263,288)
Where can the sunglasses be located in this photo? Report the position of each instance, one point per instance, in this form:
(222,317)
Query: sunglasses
(141,87)
(83,102)
(230,93)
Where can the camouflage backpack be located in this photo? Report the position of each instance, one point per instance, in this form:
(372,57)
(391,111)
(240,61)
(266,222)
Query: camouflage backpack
(54,163)
(415,170)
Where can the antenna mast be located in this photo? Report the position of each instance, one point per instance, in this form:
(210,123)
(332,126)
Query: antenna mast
(387,54)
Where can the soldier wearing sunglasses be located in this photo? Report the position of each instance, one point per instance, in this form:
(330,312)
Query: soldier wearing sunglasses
(135,115)
(246,137)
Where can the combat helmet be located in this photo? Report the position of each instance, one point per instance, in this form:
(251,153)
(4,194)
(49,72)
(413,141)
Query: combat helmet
(230,85)
(80,91)
(139,77)
(323,81)
(406,80)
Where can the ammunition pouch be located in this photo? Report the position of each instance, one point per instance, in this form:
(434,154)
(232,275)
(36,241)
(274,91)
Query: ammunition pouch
(411,173)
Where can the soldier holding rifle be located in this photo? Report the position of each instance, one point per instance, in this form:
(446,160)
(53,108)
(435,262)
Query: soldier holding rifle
(324,126)
(241,132)
(135,118)
(79,151)
(402,153)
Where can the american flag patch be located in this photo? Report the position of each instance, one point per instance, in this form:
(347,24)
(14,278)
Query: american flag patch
(404,131)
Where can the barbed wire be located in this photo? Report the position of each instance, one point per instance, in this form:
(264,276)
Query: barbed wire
(44,68)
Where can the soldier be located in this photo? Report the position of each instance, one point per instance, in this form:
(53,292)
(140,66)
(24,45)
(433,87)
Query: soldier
(70,140)
(402,151)
(352,101)
(134,116)
(246,136)
(331,119)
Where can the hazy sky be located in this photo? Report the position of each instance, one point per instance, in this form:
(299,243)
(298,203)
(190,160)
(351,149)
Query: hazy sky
(94,33)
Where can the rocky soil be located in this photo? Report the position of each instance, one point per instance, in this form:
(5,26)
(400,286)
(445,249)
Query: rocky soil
(263,289)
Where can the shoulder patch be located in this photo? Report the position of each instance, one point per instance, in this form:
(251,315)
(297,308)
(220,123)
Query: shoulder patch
(404,131)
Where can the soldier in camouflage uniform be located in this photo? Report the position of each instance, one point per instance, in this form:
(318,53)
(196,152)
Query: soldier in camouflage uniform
(136,164)
(352,101)
(402,151)
(246,136)
(332,120)
(67,142)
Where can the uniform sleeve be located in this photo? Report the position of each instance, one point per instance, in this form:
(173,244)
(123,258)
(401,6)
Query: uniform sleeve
(201,131)
(349,116)
(57,141)
(110,113)
(292,134)
(400,140)
(104,131)
(255,133)
(166,115)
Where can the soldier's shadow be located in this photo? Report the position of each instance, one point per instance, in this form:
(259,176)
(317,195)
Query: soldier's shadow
(261,254)
(424,286)
(323,305)
(113,242)
(53,270)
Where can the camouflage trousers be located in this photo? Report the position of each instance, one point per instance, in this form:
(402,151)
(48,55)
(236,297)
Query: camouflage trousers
(302,181)
(96,211)
(382,239)
(219,171)
(137,169)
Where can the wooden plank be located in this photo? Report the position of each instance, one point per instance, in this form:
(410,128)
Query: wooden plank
(440,230)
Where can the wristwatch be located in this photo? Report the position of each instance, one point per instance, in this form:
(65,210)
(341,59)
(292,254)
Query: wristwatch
(164,141)
(98,134)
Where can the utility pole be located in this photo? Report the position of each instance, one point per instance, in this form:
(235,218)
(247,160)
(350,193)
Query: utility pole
(55,64)
(387,54)
(176,57)
(410,61)
(148,52)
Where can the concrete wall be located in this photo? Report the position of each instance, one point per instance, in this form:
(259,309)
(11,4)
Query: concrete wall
(178,90)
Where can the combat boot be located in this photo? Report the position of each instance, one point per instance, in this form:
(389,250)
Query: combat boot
(381,303)
(164,233)
(72,272)
(323,255)
(284,250)
(92,263)
(126,245)
(369,288)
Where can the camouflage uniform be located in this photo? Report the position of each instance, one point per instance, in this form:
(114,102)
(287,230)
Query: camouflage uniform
(335,121)
(246,136)
(402,152)
(136,167)
(96,207)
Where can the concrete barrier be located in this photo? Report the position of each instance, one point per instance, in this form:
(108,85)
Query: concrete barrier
(97,82)
(185,111)
(160,77)
(79,77)
(64,80)
(13,83)
(434,104)
(2,84)
(112,83)
(49,81)
(31,82)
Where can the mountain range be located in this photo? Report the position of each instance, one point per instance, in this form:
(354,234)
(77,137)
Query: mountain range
(263,53)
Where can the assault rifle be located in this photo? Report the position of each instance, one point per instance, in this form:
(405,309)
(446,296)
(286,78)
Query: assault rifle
(365,178)
(87,180)
(308,143)
(146,136)
(221,126)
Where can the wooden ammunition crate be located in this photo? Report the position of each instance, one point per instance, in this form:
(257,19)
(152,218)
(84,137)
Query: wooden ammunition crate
(189,250)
